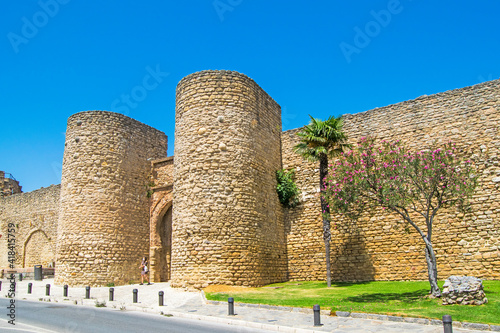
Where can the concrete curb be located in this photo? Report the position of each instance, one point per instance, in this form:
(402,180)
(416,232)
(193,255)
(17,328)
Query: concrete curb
(421,321)
(265,306)
(360,315)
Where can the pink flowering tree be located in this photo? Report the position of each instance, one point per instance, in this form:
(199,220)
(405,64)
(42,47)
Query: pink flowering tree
(414,185)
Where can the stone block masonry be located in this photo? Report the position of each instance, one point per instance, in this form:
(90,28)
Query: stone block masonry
(227,219)
(161,219)
(35,215)
(103,228)
(376,247)
(211,215)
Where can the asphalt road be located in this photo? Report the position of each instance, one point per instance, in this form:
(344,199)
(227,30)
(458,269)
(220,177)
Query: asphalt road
(43,317)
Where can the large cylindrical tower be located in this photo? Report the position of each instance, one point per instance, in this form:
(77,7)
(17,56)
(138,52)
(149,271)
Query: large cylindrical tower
(227,220)
(103,228)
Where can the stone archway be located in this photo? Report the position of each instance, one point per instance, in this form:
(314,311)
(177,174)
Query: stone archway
(164,252)
(38,249)
(161,236)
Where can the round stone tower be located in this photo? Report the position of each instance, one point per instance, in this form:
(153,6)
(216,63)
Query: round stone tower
(103,228)
(227,220)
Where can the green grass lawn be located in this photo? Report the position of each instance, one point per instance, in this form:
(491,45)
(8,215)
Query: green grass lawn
(401,298)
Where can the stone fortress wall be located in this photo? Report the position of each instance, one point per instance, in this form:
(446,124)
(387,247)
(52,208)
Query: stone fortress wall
(103,228)
(35,216)
(227,219)
(212,216)
(373,248)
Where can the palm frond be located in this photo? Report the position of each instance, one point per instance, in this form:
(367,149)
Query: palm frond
(321,137)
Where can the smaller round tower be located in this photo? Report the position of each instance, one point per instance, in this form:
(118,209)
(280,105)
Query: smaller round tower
(103,228)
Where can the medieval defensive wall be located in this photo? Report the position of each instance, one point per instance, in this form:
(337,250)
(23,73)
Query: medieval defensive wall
(210,214)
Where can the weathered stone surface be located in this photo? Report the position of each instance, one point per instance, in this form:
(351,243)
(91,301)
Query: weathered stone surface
(35,217)
(103,228)
(227,220)
(160,227)
(230,227)
(466,290)
(376,246)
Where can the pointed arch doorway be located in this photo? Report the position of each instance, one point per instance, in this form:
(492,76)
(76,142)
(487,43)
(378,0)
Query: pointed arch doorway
(165,251)
(161,241)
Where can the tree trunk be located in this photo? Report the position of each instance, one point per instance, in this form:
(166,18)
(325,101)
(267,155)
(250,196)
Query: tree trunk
(323,171)
(430,257)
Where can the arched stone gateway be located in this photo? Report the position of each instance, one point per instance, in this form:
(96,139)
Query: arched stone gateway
(161,220)
(38,249)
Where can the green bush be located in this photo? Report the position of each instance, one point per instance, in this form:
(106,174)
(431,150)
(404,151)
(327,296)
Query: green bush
(288,192)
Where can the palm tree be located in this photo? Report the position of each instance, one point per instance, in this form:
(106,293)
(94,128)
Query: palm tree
(318,141)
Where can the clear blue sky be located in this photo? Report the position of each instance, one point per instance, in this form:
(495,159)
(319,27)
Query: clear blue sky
(60,57)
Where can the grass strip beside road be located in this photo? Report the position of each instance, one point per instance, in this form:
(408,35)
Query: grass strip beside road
(398,298)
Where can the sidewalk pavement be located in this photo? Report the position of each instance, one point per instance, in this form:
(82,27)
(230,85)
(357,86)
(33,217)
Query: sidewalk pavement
(193,305)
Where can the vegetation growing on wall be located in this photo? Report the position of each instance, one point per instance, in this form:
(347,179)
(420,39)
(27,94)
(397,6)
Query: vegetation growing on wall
(288,192)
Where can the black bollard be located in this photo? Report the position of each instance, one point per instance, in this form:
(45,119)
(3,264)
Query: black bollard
(230,306)
(65,290)
(20,276)
(87,292)
(134,294)
(317,318)
(448,328)
(0,285)
(160,298)
(47,290)
(30,286)
(111,294)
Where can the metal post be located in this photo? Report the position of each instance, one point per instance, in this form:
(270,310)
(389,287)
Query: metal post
(134,292)
(20,276)
(30,285)
(65,290)
(0,285)
(87,292)
(111,294)
(160,298)
(230,306)
(317,318)
(47,290)
(448,328)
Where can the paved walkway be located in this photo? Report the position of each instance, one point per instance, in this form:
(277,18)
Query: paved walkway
(192,305)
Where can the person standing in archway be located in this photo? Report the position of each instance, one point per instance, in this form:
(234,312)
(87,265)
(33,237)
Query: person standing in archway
(144,270)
